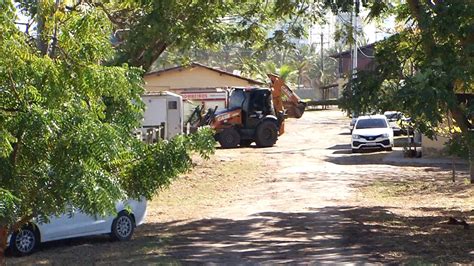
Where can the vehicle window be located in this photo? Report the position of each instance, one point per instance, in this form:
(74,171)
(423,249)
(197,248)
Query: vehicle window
(172,105)
(393,116)
(371,123)
(236,99)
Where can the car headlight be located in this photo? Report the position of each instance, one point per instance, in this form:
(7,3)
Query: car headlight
(356,136)
(385,135)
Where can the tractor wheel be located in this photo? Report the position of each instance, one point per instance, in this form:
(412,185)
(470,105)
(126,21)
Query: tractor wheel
(229,138)
(245,142)
(267,134)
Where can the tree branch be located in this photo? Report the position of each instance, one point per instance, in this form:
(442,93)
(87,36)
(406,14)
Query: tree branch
(40,27)
(55,33)
(461,120)
(21,222)
(157,49)
(16,148)
(10,110)
(15,92)
(417,12)
(109,15)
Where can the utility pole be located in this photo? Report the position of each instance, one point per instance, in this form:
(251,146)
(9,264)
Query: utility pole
(322,51)
(325,93)
(354,30)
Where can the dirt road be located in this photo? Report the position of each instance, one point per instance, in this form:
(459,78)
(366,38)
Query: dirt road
(295,210)
(297,202)
(299,207)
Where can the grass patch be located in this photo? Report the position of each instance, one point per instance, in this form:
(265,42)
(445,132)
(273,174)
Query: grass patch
(422,192)
(414,229)
(209,184)
(390,189)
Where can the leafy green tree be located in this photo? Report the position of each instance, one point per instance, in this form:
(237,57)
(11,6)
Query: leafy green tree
(145,29)
(426,70)
(66,121)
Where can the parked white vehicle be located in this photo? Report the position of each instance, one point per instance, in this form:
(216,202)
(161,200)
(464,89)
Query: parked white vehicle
(393,117)
(120,227)
(372,132)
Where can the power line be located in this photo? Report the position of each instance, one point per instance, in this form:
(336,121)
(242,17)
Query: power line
(368,56)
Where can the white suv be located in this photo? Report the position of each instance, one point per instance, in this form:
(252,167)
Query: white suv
(371,132)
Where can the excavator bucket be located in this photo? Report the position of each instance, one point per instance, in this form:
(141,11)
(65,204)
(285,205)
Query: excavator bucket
(284,97)
(294,110)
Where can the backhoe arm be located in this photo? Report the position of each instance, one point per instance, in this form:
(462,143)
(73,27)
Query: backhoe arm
(285,99)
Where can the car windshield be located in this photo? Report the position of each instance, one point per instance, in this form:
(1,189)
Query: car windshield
(371,123)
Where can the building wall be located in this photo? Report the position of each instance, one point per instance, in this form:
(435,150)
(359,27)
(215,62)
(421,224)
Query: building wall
(191,78)
(341,82)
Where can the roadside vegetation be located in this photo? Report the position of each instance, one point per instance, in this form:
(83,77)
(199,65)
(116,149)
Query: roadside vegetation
(425,71)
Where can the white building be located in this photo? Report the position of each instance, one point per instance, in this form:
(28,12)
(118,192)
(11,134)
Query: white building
(332,29)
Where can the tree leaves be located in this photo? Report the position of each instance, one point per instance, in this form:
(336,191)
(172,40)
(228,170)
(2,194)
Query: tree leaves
(421,69)
(67,117)
(8,204)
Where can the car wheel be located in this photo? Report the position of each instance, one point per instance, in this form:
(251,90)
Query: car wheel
(24,241)
(229,138)
(267,134)
(123,227)
(389,149)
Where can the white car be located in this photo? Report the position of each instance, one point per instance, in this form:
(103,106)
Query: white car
(393,117)
(78,224)
(371,132)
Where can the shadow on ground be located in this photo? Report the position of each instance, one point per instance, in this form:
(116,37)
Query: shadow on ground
(376,156)
(326,235)
(347,149)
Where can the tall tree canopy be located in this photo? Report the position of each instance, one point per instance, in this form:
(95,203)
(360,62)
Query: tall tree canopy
(426,70)
(146,28)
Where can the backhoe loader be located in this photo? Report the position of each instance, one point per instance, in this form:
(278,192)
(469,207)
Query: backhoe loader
(253,115)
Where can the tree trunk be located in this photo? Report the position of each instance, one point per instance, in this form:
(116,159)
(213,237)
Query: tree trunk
(471,158)
(40,24)
(463,123)
(471,162)
(148,56)
(3,244)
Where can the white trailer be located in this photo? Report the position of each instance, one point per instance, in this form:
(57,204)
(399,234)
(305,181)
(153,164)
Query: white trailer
(163,117)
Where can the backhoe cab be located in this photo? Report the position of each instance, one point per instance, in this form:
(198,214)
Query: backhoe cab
(250,117)
(253,115)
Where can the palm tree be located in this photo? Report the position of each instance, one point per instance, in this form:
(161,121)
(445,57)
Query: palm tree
(286,72)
